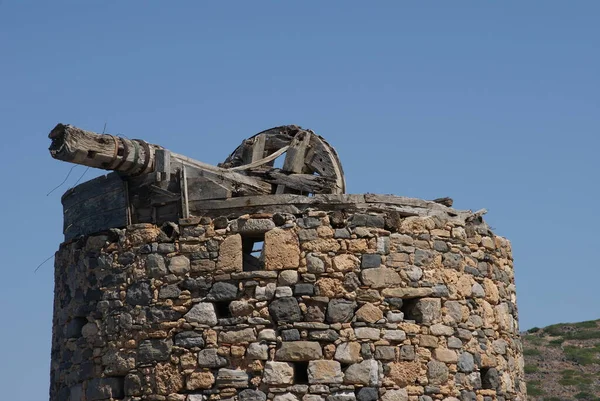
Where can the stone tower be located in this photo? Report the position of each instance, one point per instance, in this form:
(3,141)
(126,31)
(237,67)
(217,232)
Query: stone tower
(285,297)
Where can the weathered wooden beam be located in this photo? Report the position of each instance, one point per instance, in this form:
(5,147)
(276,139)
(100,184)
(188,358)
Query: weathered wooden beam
(108,152)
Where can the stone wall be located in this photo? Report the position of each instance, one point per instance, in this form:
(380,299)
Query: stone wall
(336,306)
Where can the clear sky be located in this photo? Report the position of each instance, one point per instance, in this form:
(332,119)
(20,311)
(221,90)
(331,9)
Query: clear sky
(496,105)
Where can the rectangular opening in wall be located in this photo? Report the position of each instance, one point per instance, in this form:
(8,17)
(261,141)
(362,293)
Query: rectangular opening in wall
(252,248)
(222,309)
(488,379)
(410,311)
(300,372)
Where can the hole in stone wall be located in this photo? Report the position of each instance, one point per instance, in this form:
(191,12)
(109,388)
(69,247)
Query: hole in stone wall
(409,310)
(488,381)
(300,372)
(222,309)
(252,248)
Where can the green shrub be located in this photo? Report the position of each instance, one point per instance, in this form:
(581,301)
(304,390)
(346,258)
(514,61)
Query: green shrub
(590,324)
(583,356)
(531,369)
(533,330)
(533,389)
(557,342)
(531,352)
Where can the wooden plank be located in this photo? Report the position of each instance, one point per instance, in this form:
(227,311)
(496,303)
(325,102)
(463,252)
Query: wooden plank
(162,164)
(185,208)
(200,188)
(260,162)
(243,185)
(295,157)
(94,223)
(92,188)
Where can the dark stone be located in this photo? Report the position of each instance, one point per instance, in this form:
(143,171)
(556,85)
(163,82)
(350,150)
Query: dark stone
(440,246)
(189,339)
(367,394)
(323,335)
(232,321)
(222,292)
(309,222)
(452,260)
(440,291)
(163,314)
(336,219)
(285,309)
(314,313)
(279,219)
(208,358)
(74,327)
(490,379)
(111,280)
(139,293)
(351,281)
(468,396)
(395,302)
(304,289)
(133,384)
(126,258)
(365,351)
(198,284)
(466,363)
(220,222)
(307,235)
(252,395)
(342,233)
(340,311)
(370,260)
(154,350)
(290,335)
(423,257)
(169,291)
(63,394)
(104,388)
(472,270)
(407,353)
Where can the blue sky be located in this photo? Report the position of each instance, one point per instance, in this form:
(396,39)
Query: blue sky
(496,105)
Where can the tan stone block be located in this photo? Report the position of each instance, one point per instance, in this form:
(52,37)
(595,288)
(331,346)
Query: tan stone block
(168,379)
(369,313)
(325,232)
(397,259)
(345,263)
(428,341)
(200,380)
(445,355)
(402,373)
(491,291)
(281,250)
(230,255)
(329,287)
(357,245)
(299,351)
(380,277)
(348,352)
(324,372)
(321,245)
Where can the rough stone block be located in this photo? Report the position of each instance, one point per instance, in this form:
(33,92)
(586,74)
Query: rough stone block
(381,277)
(277,373)
(299,351)
(230,258)
(282,250)
(324,372)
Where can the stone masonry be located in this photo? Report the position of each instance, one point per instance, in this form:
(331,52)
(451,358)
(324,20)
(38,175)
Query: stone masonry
(315,306)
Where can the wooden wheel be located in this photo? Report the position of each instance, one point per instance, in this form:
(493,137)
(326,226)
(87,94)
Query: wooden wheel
(309,161)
